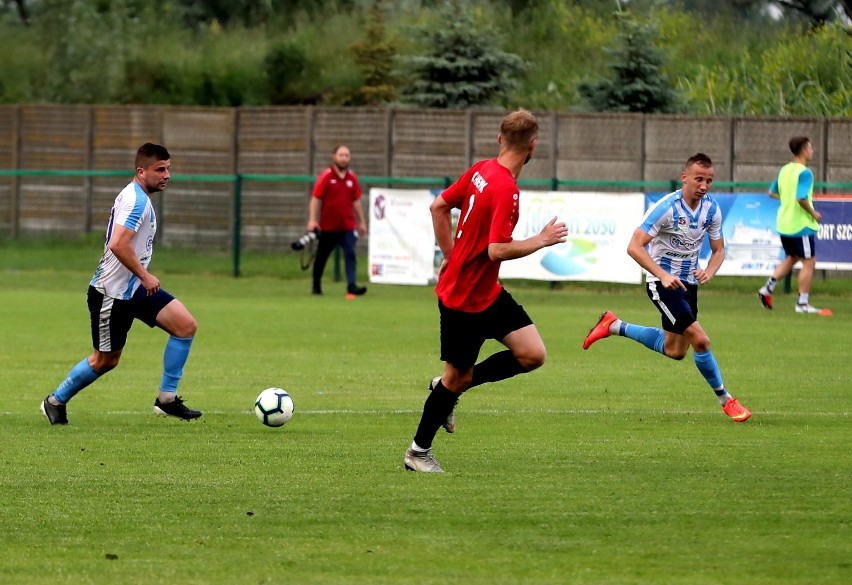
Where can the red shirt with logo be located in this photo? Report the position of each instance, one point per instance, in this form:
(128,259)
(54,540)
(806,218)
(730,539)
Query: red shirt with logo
(488,197)
(338,196)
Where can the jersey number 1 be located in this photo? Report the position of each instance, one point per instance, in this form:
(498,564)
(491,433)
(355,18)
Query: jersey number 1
(466,215)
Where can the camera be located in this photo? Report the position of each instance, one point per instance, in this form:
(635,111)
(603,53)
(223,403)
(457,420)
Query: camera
(305,240)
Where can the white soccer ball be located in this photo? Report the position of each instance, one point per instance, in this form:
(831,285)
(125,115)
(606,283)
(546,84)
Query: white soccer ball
(273,407)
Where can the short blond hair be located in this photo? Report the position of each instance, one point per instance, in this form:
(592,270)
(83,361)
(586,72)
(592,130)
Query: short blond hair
(518,129)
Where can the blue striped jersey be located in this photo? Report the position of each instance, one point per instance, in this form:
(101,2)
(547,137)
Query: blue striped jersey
(133,210)
(678,233)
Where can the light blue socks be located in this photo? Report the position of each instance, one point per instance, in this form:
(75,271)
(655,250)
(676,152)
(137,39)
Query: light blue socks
(174,358)
(651,337)
(78,378)
(706,364)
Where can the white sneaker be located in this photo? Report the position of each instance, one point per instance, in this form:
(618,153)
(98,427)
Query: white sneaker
(807,309)
(422,461)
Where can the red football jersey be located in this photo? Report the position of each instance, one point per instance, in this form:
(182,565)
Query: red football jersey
(487,195)
(338,196)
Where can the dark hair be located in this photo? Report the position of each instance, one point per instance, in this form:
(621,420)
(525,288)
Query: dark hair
(797,144)
(700,159)
(149,153)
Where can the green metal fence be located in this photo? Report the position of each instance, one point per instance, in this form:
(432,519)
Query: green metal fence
(238,181)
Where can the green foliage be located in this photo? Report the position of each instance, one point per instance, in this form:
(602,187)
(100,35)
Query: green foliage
(376,59)
(462,65)
(637,81)
(87,44)
(333,76)
(726,57)
(216,68)
(808,75)
(560,43)
(249,12)
(21,57)
(285,66)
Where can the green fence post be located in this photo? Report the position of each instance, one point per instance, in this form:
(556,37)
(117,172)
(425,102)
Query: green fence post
(238,201)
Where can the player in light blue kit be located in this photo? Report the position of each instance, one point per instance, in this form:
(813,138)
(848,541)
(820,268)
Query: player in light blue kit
(122,290)
(673,231)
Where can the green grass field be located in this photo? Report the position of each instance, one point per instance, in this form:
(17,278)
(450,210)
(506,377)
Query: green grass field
(611,466)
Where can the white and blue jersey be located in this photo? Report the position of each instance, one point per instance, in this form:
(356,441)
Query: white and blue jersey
(133,210)
(678,233)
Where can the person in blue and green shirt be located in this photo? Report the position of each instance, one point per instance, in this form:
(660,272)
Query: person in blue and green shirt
(797,224)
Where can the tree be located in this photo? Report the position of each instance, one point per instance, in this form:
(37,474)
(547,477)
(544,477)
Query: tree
(248,12)
(375,57)
(463,66)
(638,82)
(285,65)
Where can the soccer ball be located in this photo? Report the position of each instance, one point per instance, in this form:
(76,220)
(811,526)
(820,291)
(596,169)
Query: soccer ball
(273,407)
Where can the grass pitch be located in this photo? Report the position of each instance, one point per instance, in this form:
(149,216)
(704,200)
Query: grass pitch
(613,465)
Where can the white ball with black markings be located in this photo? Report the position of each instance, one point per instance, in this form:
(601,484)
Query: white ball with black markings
(274,407)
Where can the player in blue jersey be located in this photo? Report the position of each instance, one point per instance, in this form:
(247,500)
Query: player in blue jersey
(123,290)
(667,245)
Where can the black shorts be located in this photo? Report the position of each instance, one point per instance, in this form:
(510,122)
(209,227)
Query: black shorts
(112,318)
(678,308)
(798,246)
(463,334)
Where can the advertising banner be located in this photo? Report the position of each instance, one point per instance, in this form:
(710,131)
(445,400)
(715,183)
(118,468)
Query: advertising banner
(402,241)
(834,241)
(752,244)
(599,228)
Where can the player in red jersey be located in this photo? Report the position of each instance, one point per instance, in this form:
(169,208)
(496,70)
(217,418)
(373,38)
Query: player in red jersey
(335,210)
(473,305)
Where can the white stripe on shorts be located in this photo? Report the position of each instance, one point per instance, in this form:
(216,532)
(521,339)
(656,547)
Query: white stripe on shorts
(806,247)
(104,337)
(652,286)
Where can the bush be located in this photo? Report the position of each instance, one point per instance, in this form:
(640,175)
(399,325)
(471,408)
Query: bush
(285,66)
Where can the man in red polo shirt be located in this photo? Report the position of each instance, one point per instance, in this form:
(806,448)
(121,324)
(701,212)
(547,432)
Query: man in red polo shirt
(335,209)
(473,305)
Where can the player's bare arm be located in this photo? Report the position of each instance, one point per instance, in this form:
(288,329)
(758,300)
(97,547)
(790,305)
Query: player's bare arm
(553,233)
(806,205)
(359,217)
(442,224)
(313,214)
(120,245)
(717,256)
(636,250)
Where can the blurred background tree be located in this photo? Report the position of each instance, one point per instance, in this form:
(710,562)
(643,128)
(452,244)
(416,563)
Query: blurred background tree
(462,64)
(745,57)
(375,56)
(637,80)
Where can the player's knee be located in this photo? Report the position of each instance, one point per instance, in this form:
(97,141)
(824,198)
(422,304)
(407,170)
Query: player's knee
(103,363)
(701,344)
(533,359)
(186,328)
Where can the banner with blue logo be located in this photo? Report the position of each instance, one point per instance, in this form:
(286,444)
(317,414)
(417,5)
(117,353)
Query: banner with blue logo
(752,244)
(600,226)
